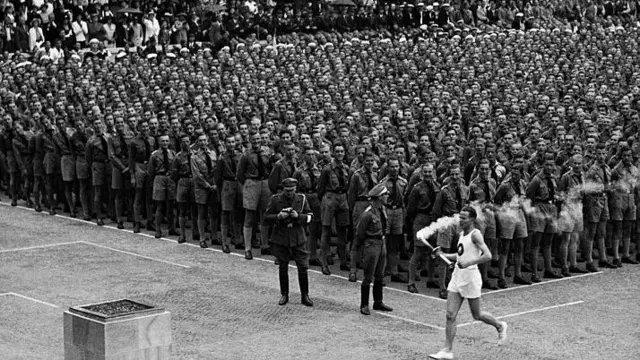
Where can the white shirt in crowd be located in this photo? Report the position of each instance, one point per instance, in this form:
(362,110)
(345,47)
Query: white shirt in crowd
(36,38)
(80,30)
(152,28)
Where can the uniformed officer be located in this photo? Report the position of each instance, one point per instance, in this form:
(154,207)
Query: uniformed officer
(83,172)
(62,141)
(622,206)
(283,168)
(46,147)
(362,181)
(24,160)
(289,212)
(332,190)
(419,211)
(570,219)
(596,208)
(370,234)
(512,221)
(37,154)
(164,188)
(182,176)
(397,186)
(206,191)
(140,150)
(97,153)
(307,176)
(120,174)
(230,195)
(253,174)
(483,189)
(544,220)
(450,200)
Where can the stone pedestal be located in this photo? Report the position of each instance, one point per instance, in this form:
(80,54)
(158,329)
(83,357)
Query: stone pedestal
(121,329)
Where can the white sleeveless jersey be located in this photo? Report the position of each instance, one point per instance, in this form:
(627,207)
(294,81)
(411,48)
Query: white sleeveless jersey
(467,250)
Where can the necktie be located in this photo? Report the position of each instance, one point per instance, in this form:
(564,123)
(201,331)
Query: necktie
(516,187)
(165,159)
(312,179)
(383,221)
(487,195)
(103,141)
(340,174)
(123,147)
(369,180)
(458,198)
(260,165)
(209,163)
(604,175)
(552,190)
(189,163)
(67,141)
(232,159)
(147,148)
(394,191)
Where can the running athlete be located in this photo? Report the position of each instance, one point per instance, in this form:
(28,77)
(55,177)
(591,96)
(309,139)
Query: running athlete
(466,282)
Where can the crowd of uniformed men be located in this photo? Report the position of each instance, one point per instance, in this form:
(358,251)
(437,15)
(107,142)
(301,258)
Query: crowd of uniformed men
(491,120)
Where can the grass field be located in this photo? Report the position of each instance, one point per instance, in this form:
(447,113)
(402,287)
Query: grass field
(224,307)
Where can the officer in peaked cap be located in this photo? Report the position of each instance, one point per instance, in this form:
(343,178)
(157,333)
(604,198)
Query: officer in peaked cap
(370,233)
(289,212)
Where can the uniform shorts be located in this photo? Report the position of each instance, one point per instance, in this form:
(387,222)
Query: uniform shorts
(395,221)
(100,173)
(231,195)
(255,195)
(82,168)
(68,167)
(119,180)
(335,206)
(38,167)
(544,219)
(141,176)
(314,204)
(622,207)
(596,209)
(448,237)
(571,218)
(466,282)
(486,223)
(511,224)
(12,164)
(163,188)
(184,191)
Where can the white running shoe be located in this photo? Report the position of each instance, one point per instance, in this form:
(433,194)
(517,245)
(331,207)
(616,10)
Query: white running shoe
(442,355)
(502,333)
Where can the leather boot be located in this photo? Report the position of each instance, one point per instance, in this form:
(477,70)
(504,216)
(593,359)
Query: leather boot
(283,277)
(377,298)
(303,281)
(364,300)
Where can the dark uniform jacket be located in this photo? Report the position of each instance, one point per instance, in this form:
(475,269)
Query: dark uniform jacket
(288,232)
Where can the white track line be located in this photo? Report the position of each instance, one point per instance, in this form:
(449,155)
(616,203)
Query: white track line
(39,246)
(409,320)
(137,255)
(526,312)
(30,299)
(541,283)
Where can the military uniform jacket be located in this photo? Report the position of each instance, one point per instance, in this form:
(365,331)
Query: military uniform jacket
(96,151)
(79,143)
(20,145)
(624,178)
(248,166)
(538,190)
(282,169)
(506,191)
(572,182)
(477,191)
(119,151)
(450,201)
(400,184)
(372,224)
(598,173)
(288,232)
(203,173)
(422,199)
(307,179)
(182,165)
(329,179)
(227,167)
(62,143)
(360,184)
(157,165)
(138,149)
